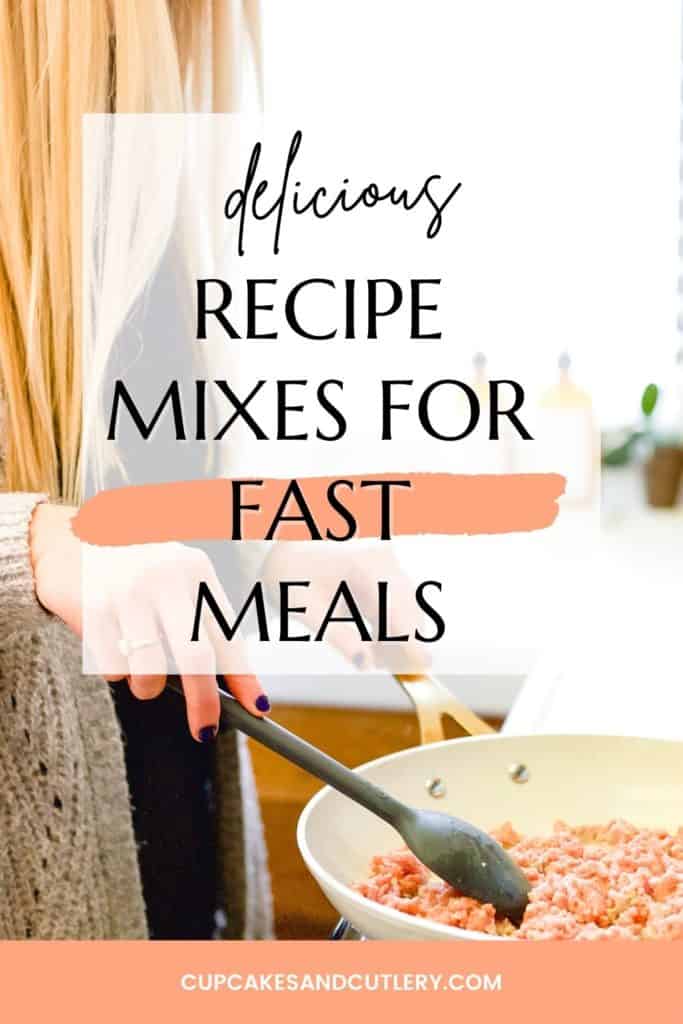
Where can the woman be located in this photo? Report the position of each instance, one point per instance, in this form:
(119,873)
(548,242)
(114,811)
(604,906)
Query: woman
(116,821)
(101,836)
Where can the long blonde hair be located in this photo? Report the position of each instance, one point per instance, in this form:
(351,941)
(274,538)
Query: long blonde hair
(60,59)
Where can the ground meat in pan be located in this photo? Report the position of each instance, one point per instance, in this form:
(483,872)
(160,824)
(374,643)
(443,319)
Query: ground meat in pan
(591,882)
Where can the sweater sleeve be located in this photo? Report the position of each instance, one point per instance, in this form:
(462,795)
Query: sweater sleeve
(19,606)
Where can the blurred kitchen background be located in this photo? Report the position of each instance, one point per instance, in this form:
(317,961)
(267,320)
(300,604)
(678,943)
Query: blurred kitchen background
(610,389)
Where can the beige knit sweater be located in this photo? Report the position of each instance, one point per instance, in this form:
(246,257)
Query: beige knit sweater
(68,866)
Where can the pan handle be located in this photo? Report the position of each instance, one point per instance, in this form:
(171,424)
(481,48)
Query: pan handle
(432,700)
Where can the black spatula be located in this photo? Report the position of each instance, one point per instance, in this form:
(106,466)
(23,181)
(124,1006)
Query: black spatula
(464,856)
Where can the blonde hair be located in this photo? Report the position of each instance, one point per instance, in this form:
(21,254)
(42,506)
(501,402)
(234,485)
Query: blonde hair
(60,59)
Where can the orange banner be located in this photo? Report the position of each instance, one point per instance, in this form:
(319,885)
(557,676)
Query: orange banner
(420,503)
(220,981)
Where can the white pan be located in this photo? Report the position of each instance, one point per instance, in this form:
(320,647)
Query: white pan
(487,779)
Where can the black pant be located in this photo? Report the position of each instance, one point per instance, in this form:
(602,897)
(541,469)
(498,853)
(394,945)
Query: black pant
(169,776)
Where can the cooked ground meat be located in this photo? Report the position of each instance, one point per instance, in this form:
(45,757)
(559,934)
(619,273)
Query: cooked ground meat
(591,882)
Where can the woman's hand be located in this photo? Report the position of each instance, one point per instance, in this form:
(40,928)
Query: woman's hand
(325,566)
(143,605)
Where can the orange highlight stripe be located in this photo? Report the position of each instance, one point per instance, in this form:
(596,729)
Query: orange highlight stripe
(436,503)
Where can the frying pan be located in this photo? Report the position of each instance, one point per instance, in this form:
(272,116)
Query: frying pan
(487,779)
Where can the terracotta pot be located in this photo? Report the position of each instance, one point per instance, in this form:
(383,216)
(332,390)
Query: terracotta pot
(663,471)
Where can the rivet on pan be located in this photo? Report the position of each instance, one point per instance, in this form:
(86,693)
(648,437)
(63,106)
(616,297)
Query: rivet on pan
(436,788)
(519,773)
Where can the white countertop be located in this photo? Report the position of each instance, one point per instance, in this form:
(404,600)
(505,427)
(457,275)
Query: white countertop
(621,645)
(635,692)
(489,694)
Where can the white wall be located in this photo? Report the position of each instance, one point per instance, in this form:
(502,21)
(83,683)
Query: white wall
(578,107)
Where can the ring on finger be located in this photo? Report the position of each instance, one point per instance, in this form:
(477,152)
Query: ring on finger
(128,647)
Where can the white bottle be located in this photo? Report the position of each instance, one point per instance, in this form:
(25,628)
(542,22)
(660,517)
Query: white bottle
(567,435)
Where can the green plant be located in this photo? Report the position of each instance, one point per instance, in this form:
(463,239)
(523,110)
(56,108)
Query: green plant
(622,454)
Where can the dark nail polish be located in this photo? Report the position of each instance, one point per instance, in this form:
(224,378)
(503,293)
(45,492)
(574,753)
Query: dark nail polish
(207,734)
(262,703)
(359,659)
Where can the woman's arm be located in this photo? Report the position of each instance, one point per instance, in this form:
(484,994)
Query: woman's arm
(138,606)
(19,606)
